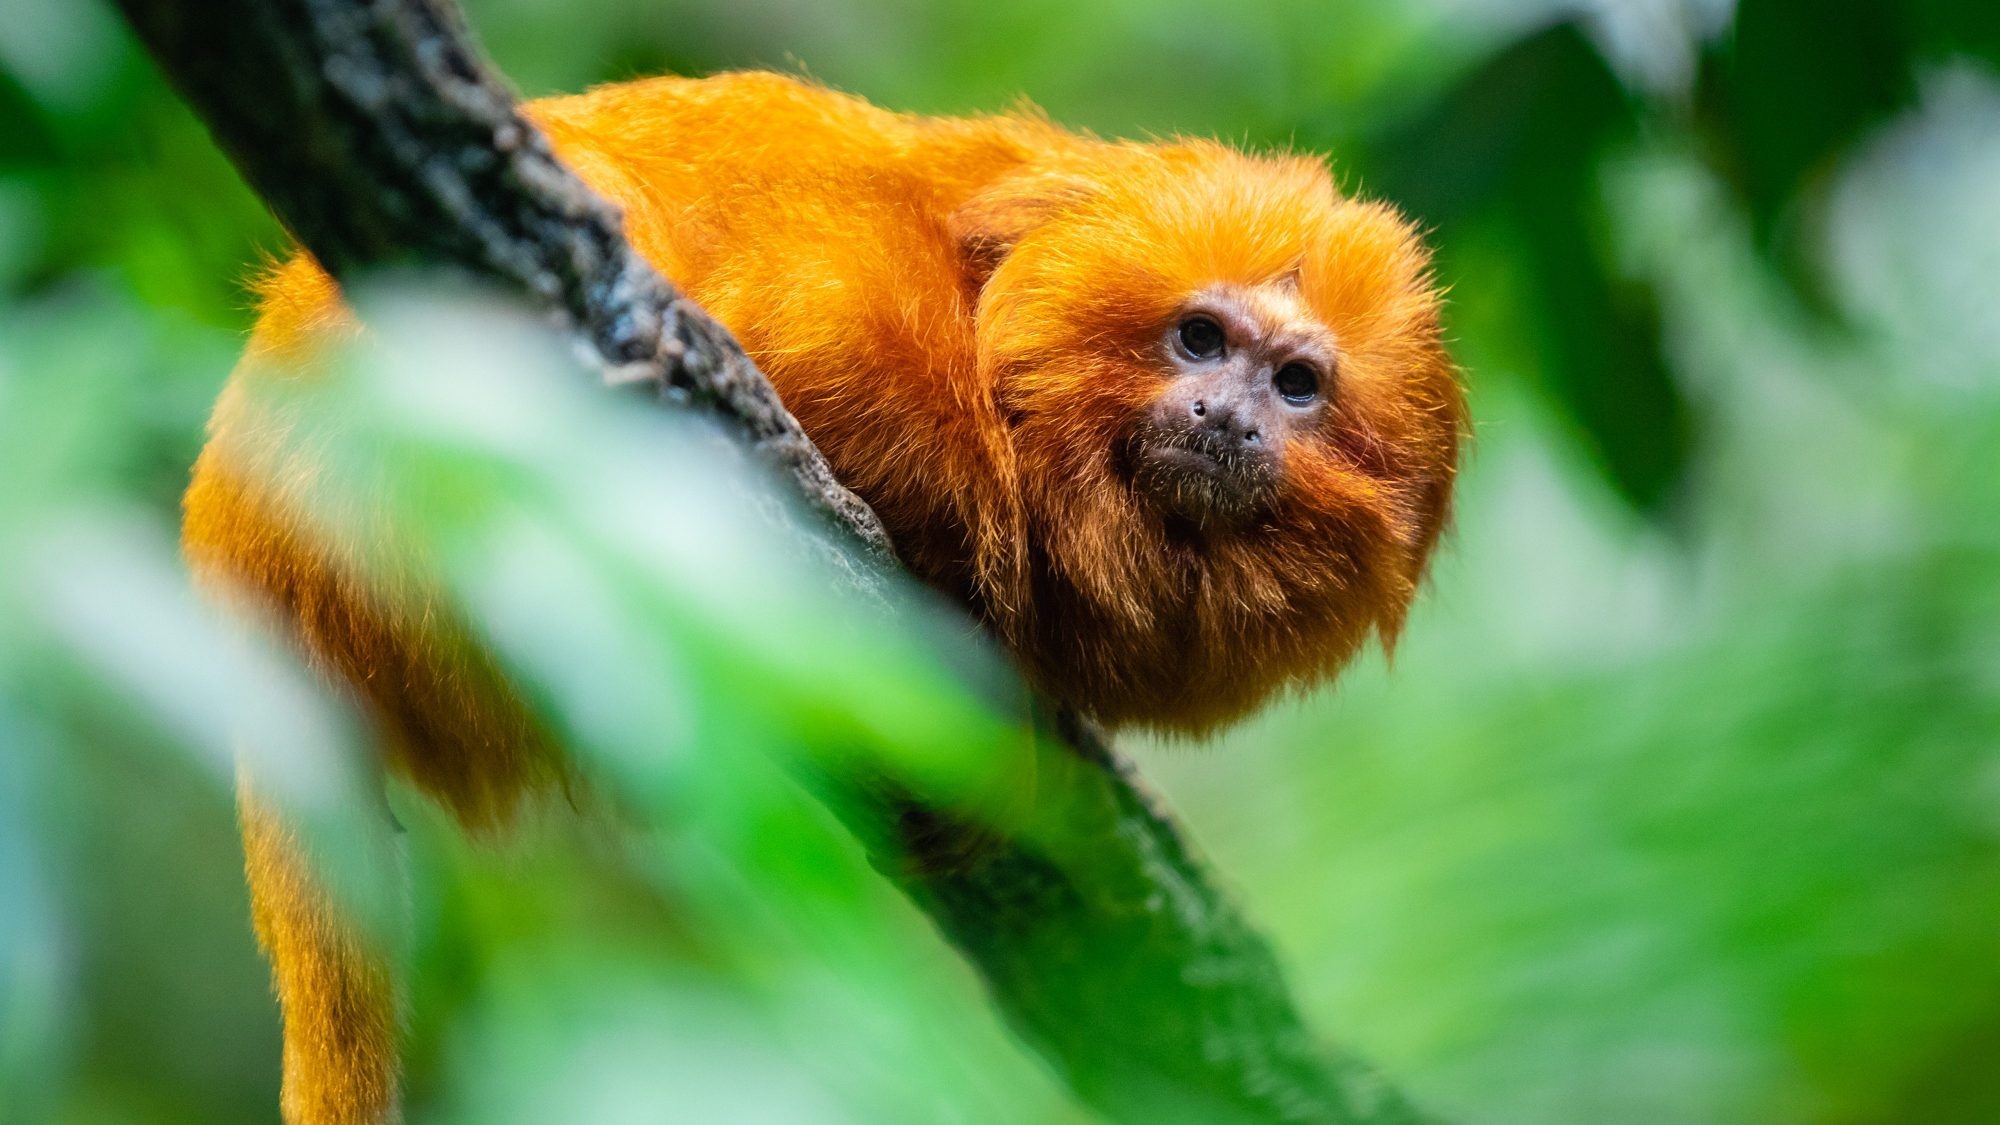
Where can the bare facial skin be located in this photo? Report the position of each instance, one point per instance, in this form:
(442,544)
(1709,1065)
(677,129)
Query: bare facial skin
(1251,373)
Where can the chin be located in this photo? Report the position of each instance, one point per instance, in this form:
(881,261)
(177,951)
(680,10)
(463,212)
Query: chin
(1199,489)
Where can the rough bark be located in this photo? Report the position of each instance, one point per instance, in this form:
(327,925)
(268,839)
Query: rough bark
(379,137)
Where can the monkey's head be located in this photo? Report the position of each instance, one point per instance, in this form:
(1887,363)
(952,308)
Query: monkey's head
(1232,425)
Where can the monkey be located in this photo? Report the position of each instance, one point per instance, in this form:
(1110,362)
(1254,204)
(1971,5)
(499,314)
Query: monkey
(1175,422)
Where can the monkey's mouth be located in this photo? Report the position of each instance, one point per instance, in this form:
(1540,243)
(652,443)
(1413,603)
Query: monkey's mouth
(1186,476)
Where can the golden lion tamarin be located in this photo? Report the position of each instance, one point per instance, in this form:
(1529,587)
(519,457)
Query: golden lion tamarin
(1175,422)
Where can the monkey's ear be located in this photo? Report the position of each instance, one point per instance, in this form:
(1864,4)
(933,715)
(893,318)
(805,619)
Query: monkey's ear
(988,225)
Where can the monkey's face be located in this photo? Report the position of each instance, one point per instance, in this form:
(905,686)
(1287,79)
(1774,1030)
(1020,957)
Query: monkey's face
(1247,369)
(1231,422)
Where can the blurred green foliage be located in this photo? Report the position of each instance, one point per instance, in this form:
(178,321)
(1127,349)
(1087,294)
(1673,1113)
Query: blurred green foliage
(1679,804)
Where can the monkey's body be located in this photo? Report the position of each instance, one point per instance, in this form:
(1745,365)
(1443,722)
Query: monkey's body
(975,320)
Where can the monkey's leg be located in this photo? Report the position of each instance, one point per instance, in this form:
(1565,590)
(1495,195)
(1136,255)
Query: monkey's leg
(443,717)
(333,980)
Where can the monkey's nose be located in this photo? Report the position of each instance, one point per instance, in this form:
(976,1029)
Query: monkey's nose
(1225,424)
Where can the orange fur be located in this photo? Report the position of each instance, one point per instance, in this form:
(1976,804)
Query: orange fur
(966,316)
(340,1006)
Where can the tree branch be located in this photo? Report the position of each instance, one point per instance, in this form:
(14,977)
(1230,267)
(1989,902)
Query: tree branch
(375,132)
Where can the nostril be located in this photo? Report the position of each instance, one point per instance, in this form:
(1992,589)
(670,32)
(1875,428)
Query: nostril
(1250,437)
(1200,408)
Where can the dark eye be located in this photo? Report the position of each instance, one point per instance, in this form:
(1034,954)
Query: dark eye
(1201,337)
(1297,383)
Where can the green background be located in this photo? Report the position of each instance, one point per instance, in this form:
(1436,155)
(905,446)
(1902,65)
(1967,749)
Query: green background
(1679,801)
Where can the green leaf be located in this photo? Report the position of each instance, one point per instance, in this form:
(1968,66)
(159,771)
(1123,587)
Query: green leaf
(1792,86)
(1520,140)
(25,140)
